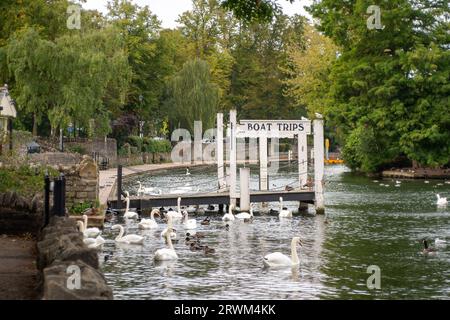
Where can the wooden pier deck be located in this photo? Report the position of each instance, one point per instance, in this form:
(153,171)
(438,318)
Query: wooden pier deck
(217,198)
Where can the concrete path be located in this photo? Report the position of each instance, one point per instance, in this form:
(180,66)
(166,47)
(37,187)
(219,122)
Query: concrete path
(18,273)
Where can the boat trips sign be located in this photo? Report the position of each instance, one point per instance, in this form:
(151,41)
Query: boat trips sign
(273,128)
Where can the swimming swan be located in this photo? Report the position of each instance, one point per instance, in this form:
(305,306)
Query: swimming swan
(284,213)
(129,238)
(189,223)
(277,259)
(441,201)
(149,223)
(89,232)
(166,253)
(229,216)
(245,215)
(129,214)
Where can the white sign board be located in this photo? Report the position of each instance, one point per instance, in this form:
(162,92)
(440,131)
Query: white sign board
(273,128)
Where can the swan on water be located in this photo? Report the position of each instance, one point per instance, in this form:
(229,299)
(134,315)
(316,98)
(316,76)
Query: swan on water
(439,242)
(129,214)
(229,216)
(89,232)
(129,238)
(441,201)
(149,223)
(147,190)
(245,215)
(187,172)
(188,223)
(176,214)
(90,242)
(173,234)
(284,213)
(166,253)
(277,259)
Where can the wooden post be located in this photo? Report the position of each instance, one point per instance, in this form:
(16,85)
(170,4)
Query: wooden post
(233,157)
(119,186)
(319,165)
(244,175)
(302,159)
(46,199)
(219,153)
(263,186)
(62,210)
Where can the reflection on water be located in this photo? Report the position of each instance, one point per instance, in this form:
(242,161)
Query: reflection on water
(368,225)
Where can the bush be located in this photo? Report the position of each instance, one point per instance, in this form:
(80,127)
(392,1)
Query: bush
(24,180)
(77,149)
(156,146)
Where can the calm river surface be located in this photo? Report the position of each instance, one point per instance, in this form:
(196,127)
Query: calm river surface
(368,225)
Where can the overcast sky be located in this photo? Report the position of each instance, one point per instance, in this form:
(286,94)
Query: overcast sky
(169,10)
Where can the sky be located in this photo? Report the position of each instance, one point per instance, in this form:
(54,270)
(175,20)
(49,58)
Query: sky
(169,10)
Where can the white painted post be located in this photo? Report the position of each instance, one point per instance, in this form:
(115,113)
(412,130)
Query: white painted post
(302,159)
(245,189)
(219,153)
(233,124)
(198,146)
(263,163)
(319,164)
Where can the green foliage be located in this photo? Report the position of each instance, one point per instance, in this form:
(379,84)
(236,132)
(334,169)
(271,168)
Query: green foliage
(149,145)
(76,148)
(79,208)
(192,96)
(389,88)
(253,10)
(24,180)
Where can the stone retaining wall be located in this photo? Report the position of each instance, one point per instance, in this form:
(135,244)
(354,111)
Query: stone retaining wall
(61,246)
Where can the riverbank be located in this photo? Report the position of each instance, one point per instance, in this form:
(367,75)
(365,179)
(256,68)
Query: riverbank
(420,173)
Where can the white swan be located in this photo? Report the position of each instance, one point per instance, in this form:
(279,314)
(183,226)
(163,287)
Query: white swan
(94,243)
(277,259)
(229,216)
(439,242)
(245,215)
(129,214)
(176,214)
(284,213)
(149,223)
(147,190)
(166,253)
(129,238)
(169,229)
(187,172)
(189,223)
(441,201)
(89,232)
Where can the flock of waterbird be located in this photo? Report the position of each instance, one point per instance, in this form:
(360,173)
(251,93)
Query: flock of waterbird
(441,202)
(193,239)
(93,239)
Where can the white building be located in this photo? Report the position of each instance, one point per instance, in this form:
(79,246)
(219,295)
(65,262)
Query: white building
(7,109)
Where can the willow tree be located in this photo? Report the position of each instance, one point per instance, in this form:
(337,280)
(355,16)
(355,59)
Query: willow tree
(192,96)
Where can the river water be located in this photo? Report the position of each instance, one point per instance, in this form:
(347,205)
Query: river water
(368,224)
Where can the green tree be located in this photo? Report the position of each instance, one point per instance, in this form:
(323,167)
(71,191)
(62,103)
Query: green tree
(392,83)
(192,96)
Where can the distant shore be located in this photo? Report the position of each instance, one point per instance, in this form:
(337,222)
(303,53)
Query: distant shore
(418,173)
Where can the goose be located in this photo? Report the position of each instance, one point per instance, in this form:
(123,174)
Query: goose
(441,201)
(277,259)
(207,250)
(229,216)
(245,215)
(428,250)
(129,214)
(129,238)
(188,223)
(89,232)
(175,214)
(149,223)
(284,213)
(173,234)
(166,253)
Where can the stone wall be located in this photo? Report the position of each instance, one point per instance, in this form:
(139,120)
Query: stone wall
(61,246)
(19,215)
(55,158)
(82,182)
